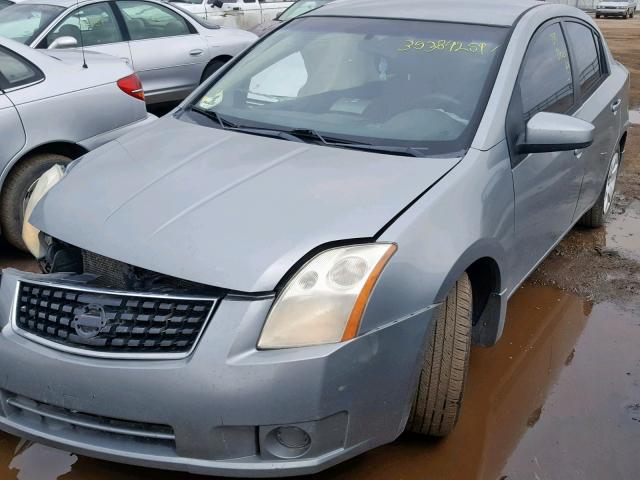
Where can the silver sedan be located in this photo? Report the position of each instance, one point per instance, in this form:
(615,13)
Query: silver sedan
(53,110)
(171,50)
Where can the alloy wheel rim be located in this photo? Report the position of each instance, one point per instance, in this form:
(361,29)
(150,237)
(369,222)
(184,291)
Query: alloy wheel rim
(612,178)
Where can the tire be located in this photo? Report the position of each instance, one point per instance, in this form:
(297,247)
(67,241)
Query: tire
(15,190)
(598,214)
(633,13)
(597,15)
(212,68)
(436,406)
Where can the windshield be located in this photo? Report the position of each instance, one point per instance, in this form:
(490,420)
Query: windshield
(24,22)
(4,4)
(300,7)
(381,82)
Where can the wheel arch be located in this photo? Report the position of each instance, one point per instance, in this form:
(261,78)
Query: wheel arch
(483,263)
(224,58)
(68,149)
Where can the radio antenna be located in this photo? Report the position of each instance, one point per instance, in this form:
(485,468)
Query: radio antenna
(84,59)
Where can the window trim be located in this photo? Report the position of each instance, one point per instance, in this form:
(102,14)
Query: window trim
(6,86)
(582,97)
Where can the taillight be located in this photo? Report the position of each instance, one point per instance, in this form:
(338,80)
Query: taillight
(131,85)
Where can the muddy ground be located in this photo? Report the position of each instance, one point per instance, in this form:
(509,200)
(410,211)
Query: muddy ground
(557,398)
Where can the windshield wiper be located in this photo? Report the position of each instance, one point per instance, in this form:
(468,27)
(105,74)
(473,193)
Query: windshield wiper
(408,151)
(213,115)
(227,125)
(343,143)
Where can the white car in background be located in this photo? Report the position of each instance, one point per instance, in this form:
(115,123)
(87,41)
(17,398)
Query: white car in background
(245,14)
(616,8)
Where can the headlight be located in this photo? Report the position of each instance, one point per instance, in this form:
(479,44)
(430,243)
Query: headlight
(324,302)
(30,234)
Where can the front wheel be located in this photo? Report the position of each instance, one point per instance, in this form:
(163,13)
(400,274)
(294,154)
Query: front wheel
(16,191)
(596,217)
(436,406)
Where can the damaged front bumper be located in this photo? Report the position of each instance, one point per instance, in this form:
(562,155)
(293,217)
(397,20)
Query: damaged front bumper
(224,408)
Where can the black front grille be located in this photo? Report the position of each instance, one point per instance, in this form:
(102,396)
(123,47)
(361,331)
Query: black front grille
(111,322)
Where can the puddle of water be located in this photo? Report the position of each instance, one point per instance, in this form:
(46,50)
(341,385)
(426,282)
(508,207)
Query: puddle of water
(623,232)
(557,397)
(634,116)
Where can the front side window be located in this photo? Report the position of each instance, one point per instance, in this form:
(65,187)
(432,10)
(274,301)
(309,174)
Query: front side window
(380,82)
(15,71)
(91,25)
(546,83)
(147,20)
(25,22)
(587,60)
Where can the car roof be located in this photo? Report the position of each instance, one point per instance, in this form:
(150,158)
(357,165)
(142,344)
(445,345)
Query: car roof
(484,12)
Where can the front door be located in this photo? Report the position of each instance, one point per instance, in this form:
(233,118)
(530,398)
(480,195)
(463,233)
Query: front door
(546,185)
(96,27)
(168,55)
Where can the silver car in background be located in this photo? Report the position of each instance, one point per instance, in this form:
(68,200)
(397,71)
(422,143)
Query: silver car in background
(171,50)
(53,110)
(616,8)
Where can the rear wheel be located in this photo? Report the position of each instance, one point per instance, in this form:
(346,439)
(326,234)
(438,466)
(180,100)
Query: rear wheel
(597,15)
(596,217)
(633,13)
(16,190)
(437,403)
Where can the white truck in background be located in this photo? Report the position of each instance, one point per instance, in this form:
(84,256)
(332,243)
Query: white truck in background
(244,14)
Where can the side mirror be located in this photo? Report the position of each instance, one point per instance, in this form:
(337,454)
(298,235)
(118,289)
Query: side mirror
(216,3)
(553,132)
(63,42)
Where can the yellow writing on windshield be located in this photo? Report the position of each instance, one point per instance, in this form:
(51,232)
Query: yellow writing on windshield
(448,46)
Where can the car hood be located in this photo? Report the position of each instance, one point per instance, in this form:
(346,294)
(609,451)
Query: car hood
(226,209)
(613,4)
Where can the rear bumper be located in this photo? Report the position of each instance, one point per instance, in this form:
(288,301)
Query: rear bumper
(221,405)
(612,11)
(94,142)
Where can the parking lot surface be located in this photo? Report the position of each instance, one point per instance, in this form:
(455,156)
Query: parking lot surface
(557,398)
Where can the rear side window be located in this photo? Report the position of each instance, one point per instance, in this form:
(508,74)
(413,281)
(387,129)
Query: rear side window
(15,71)
(147,20)
(585,51)
(546,83)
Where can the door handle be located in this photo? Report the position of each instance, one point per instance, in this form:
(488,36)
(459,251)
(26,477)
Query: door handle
(126,60)
(615,106)
(196,53)
(578,153)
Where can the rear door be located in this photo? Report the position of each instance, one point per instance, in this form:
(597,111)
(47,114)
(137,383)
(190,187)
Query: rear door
(546,185)
(599,104)
(96,27)
(168,53)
